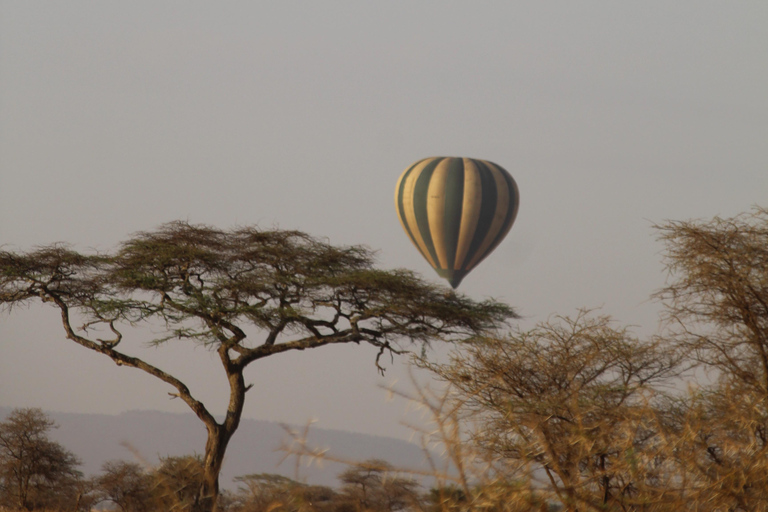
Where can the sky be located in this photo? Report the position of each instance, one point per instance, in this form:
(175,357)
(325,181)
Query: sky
(116,117)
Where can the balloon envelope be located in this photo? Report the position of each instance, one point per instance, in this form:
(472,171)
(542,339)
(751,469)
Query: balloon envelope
(456,211)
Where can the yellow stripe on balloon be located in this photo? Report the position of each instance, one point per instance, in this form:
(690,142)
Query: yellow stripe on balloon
(410,214)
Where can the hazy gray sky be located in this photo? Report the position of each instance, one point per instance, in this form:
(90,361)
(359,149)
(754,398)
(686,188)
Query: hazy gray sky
(118,116)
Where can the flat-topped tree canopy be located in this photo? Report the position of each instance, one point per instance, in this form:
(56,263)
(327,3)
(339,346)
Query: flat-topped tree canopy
(211,285)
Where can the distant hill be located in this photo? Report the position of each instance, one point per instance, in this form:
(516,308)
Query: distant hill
(97,438)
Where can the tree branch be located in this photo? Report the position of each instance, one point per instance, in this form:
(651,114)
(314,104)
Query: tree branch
(124,360)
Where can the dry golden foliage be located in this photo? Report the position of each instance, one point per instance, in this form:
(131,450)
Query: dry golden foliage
(570,403)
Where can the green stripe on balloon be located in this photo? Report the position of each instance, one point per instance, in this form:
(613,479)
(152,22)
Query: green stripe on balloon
(420,206)
(454,202)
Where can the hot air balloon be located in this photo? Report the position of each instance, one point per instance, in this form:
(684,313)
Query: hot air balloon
(456,211)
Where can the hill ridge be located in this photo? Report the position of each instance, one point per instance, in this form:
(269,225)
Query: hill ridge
(96,438)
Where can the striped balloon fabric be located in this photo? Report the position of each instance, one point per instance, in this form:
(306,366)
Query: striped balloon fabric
(456,211)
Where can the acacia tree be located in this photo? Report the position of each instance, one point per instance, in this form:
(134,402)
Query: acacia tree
(209,285)
(127,485)
(716,302)
(34,470)
(176,482)
(569,401)
(375,486)
(717,297)
(265,492)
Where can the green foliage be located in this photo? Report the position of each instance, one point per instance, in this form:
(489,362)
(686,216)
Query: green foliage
(203,282)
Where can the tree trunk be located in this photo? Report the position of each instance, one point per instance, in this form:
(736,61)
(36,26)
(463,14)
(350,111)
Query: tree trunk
(215,447)
(218,439)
